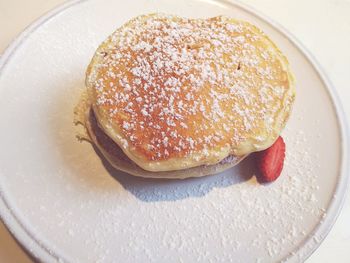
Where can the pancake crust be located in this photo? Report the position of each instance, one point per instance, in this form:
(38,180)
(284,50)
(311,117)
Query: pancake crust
(176,93)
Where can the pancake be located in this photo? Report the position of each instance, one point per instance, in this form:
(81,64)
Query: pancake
(176,94)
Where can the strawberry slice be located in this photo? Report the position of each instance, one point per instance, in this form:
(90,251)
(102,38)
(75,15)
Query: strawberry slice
(270,161)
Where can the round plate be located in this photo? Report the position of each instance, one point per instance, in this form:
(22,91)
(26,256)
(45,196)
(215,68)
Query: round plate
(63,203)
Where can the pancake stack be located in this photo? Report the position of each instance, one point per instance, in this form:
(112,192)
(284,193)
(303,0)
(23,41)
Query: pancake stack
(172,97)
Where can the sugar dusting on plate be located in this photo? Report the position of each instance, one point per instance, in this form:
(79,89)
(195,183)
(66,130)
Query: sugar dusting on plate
(186,219)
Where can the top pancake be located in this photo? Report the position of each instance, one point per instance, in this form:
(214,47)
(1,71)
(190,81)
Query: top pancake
(176,93)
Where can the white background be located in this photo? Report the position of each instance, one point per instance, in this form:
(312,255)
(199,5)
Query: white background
(323,26)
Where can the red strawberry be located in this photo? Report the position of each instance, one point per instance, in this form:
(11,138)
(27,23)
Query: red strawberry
(270,161)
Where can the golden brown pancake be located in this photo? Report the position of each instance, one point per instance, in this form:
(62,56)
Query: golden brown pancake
(175,93)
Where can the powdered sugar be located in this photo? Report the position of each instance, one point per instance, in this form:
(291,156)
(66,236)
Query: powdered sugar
(185,76)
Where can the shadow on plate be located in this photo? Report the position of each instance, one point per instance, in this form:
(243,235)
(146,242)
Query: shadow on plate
(155,190)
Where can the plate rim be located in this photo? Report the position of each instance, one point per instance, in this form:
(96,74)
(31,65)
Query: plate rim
(305,248)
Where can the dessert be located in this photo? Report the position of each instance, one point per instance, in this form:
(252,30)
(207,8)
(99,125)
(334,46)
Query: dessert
(172,97)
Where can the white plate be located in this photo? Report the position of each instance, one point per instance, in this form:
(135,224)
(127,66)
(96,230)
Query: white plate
(62,203)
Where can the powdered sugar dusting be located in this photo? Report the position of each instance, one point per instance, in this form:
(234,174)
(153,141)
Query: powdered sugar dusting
(185,78)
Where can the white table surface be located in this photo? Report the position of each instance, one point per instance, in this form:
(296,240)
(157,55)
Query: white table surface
(323,26)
